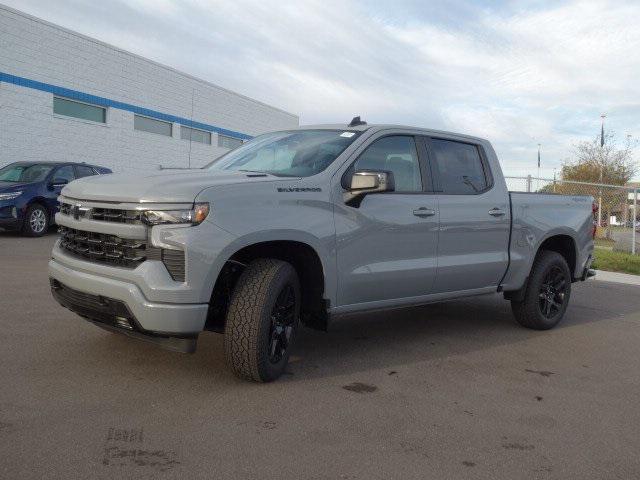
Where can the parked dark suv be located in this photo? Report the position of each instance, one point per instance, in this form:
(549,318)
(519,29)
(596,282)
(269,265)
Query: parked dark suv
(29,193)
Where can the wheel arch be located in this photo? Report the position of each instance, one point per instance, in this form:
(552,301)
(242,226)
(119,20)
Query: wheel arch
(302,255)
(562,241)
(42,201)
(565,245)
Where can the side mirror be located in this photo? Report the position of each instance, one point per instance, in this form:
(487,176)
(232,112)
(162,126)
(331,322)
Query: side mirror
(58,182)
(371,181)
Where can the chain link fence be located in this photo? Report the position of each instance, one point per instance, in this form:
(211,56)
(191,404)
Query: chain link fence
(617,217)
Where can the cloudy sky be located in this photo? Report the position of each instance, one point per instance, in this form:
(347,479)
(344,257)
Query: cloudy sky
(517,72)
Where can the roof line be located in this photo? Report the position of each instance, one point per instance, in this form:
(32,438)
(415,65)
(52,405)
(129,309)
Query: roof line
(106,102)
(121,50)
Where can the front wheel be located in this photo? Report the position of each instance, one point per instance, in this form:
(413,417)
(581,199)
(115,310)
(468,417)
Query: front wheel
(36,221)
(547,293)
(262,320)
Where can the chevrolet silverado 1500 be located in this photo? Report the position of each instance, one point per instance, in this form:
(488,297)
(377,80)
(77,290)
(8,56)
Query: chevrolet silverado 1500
(301,226)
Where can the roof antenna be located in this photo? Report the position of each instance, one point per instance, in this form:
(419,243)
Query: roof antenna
(356,121)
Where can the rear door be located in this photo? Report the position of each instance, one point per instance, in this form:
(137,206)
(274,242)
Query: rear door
(474,217)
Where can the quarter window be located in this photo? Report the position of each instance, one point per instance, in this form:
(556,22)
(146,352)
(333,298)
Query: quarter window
(84,111)
(398,155)
(195,135)
(228,142)
(84,171)
(459,166)
(151,125)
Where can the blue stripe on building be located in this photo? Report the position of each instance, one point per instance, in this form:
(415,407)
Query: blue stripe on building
(105,102)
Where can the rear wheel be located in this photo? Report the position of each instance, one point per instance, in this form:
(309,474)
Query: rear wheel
(547,293)
(262,320)
(36,221)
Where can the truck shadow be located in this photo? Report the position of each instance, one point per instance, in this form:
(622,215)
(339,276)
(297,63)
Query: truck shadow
(395,338)
(372,341)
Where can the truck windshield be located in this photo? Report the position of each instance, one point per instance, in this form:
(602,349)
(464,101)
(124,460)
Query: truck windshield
(297,153)
(24,172)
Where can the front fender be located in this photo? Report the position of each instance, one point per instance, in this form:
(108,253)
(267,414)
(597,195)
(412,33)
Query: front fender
(324,248)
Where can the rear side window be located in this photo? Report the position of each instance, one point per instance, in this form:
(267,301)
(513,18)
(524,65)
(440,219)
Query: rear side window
(84,171)
(459,166)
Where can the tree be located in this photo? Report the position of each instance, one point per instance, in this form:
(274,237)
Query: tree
(608,164)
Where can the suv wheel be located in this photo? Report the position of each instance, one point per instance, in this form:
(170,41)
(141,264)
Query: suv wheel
(262,320)
(547,293)
(36,221)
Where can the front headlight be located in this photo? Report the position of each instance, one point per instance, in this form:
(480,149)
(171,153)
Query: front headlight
(10,195)
(194,216)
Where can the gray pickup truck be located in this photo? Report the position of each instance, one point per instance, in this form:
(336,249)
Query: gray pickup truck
(302,226)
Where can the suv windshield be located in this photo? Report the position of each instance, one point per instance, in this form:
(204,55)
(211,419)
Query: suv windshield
(24,172)
(297,153)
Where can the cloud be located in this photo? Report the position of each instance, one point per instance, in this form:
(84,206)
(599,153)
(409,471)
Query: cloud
(519,73)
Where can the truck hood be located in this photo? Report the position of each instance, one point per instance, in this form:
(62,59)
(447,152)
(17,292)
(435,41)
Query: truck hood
(163,187)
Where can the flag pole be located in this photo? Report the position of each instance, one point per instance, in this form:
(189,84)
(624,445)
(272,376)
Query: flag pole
(603,116)
(538,181)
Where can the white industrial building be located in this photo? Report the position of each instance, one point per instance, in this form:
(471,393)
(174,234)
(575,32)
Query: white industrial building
(68,97)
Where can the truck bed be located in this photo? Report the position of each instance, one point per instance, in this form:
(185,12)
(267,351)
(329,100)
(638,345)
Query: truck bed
(537,216)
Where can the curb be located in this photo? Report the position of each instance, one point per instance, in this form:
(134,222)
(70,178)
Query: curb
(617,277)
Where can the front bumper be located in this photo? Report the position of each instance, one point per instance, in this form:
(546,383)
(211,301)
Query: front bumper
(10,224)
(167,319)
(10,217)
(114,315)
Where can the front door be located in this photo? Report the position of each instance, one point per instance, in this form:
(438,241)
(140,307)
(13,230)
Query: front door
(386,244)
(64,172)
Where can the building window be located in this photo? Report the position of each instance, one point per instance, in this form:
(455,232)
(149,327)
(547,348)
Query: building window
(228,142)
(195,135)
(84,111)
(146,124)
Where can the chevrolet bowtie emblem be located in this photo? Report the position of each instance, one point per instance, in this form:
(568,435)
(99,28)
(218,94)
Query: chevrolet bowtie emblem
(80,211)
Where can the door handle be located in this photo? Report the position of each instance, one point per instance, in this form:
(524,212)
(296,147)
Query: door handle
(496,212)
(424,212)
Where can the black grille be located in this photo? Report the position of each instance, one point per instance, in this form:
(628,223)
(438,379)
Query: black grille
(102,214)
(100,247)
(116,251)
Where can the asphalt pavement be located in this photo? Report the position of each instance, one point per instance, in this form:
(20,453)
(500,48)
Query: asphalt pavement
(455,390)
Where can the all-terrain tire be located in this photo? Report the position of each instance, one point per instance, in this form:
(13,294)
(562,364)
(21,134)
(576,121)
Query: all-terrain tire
(530,312)
(249,326)
(36,221)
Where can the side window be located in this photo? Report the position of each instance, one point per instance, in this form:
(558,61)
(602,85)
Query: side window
(84,171)
(459,166)
(65,172)
(397,154)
